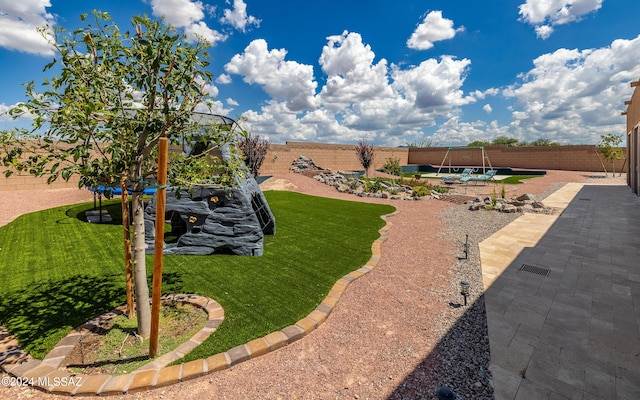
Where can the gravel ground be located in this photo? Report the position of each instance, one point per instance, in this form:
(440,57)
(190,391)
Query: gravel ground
(17,202)
(399,332)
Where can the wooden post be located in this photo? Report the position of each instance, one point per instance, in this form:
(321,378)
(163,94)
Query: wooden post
(128,262)
(161,190)
(600,159)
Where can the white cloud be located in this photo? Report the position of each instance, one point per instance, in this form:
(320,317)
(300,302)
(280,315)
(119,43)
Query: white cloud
(575,92)
(544,14)
(3,112)
(210,90)
(223,79)
(238,18)
(18,23)
(4,117)
(433,28)
(432,85)
(213,107)
(361,98)
(569,96)
(188,15)
(178,13)
(277,123)
(453,132)
(351,75)
(232,102)
(544,31)
(200,29)
(281,79)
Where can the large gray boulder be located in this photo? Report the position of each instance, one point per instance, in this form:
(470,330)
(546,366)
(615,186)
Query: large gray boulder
(211,219)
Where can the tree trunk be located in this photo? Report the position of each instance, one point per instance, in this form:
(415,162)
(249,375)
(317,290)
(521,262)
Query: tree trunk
(128,262)
(143,309)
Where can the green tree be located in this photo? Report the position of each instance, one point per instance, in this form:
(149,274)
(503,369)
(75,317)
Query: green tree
(609,146)
(505,140)
(101,117)
(422,143)
(542,142)
(479,143)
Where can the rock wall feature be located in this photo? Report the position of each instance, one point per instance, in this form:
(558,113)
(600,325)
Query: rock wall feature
(304,164)
(522,203)
(212,219)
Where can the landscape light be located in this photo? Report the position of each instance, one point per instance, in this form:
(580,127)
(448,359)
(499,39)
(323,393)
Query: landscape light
(464,290)
(444,393)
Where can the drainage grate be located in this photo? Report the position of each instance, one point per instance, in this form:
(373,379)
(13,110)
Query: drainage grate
(584,199)
(535,270)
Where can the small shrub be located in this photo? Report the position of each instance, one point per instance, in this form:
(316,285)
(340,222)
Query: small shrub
(419,191)
(365,153)
(440,189)
(372,186)
(353,184)
(392,166)
(254,150)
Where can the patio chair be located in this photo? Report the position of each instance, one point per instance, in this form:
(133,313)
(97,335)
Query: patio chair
(455,178)
(488,176)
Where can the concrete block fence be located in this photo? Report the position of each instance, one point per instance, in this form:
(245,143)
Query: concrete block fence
(343,157)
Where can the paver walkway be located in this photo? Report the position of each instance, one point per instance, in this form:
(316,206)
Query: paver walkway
(567,326)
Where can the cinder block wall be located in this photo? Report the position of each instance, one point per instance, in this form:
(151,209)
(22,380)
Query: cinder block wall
(25,181)
(570,158)
(343,157)
(28,182)
(333,156)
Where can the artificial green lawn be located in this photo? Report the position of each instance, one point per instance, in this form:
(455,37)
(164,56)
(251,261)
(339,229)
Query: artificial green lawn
(57,271)
(516,179)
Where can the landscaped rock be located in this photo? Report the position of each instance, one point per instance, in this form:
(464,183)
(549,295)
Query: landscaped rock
(515,204)
(304,164)
(526,197)
(387,190)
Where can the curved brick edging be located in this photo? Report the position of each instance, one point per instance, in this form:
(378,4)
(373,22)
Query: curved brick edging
(46,374)
(146,378)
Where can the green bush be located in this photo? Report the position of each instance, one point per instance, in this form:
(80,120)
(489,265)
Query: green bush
(419,191)
(373,185)
(392,166)
(439,189)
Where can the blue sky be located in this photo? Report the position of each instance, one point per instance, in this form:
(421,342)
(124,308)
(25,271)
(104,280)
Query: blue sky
(389,72)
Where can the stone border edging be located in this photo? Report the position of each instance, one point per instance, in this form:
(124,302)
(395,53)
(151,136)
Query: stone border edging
(45,374)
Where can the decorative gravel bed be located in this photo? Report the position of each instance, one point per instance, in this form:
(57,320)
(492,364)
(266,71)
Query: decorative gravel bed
(466,343)
(464,352)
